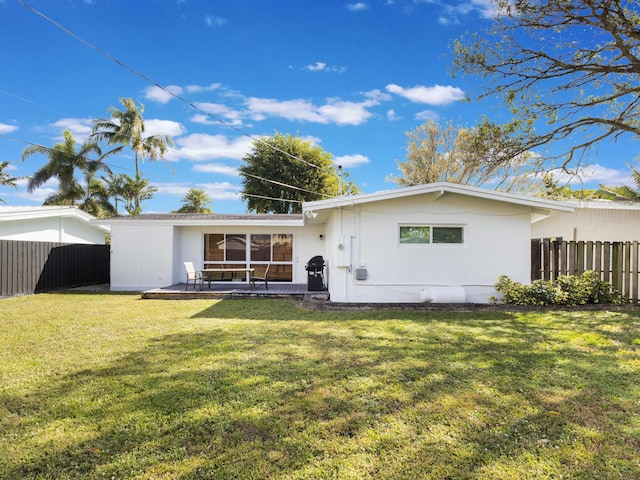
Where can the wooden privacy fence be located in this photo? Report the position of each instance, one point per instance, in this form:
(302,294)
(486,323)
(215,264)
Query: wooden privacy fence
(34,267)
(614,262)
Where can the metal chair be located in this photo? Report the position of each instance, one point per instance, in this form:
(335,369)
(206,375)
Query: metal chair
(261,279)
(192,275)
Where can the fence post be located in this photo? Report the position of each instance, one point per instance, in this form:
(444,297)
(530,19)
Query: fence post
(616,265)
(634,273)
(536,265)
(627,269)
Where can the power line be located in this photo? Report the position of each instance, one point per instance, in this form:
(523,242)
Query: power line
(165,90)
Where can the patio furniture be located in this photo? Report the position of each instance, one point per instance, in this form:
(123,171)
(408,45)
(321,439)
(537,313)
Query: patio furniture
(232,271)
(261,279)
(192,275)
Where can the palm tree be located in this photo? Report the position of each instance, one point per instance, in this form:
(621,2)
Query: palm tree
(96,198)
(135,190)
(195,200)
(623,193)
(126,128)
(115,188)
(6,178)
(63,163)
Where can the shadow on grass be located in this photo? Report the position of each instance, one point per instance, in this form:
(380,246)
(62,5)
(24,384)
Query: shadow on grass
(348,395)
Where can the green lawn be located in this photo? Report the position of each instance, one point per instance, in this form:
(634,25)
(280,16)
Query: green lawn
(114,387)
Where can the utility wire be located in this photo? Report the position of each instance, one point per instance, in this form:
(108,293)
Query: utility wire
(156,84)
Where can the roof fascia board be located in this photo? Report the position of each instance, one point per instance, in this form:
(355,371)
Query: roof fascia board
(439,189)
(199,223)
(62,212)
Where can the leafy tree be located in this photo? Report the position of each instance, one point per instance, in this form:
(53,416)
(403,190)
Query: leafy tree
(195,200)
(7,179)
(65,160)
(567,68)
(484,155)
(135,191)
(282,171)
(126,128)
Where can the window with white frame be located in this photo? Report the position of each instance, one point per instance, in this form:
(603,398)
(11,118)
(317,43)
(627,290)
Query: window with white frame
(431,234)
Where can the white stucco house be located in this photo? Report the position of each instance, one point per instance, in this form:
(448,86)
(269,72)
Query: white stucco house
(594,220)
(56,223)
(439,242)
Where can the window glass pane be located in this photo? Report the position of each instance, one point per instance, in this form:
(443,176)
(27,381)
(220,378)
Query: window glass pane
(236,247)
(261,248)
(214,247)
(414,234)
(447,235)
(277,273)
(283,248)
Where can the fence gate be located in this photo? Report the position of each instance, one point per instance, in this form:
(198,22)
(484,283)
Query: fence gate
(614,262)
(34,267)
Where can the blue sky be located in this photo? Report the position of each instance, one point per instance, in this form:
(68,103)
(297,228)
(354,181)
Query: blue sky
(352,77)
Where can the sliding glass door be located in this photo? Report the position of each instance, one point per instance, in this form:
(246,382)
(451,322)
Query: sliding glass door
(257,251)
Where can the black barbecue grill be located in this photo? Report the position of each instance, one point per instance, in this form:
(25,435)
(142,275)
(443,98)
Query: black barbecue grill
(315,274)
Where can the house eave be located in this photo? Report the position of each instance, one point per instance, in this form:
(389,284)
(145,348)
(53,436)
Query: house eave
(438,190)
(11,214)
(207,220)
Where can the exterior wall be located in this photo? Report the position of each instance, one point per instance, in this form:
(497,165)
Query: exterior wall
(306,243)
(51,229)
(497,242)
(591,224)
(141,257)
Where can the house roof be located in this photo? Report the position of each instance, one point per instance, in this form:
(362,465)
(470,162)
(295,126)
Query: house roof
(187,219)
(538,205)
(318,211)
(13,213)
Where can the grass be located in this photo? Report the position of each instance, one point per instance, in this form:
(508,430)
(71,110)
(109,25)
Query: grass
(110,386)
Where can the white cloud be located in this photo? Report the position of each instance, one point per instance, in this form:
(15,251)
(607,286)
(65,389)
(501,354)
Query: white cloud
(39,195)
(357,7)
(221,191)
(392,115)
(349,161)
(454,12)
(217,168)
(80,128)
(203,88)
(597,174)
(334,111)
(215,190)
(487,8)
(162,95)
(4,128)
(213,21)
(217,110)
(346,113)
(378,95)
(289,109)
(201,146)
(427,115)
(436,95)
(318,66)
(323,67)
(163,127)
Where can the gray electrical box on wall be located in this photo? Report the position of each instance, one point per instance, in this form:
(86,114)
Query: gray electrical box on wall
(361,273)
